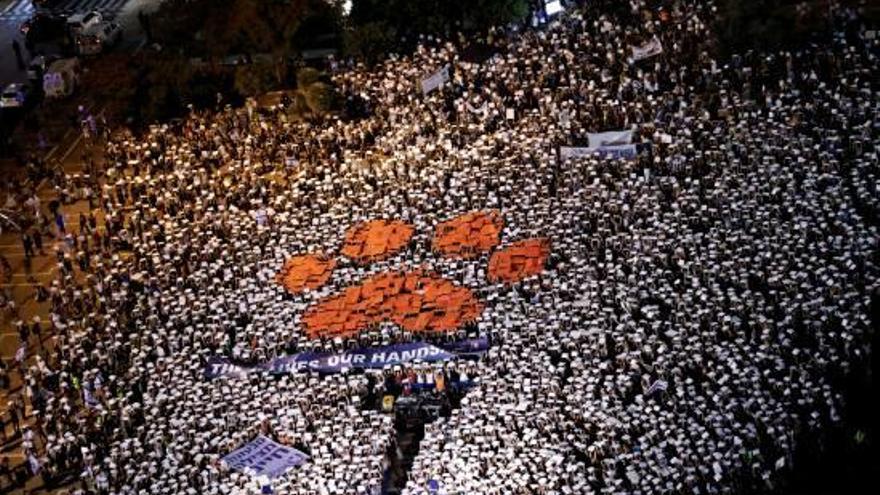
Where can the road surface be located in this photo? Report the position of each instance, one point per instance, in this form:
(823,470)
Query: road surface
(14,12)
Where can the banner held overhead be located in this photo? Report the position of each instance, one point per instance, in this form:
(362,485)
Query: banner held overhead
(264,457)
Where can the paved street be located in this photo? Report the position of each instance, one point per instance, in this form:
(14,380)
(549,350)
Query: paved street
(14,12)
(23,284)
(21,10)
(42,269)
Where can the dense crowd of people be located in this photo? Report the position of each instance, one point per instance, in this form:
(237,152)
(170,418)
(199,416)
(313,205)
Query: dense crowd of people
(697,302)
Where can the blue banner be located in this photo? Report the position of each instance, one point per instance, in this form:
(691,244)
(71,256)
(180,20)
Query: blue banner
(263,457)
(364,358)
(468,346)
(619,152)
(220,366)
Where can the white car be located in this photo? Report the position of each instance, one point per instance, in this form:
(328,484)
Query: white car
(78,23)
(98,38)
(15,95)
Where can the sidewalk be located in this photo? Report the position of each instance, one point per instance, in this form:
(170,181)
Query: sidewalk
(23,287)
(43,266)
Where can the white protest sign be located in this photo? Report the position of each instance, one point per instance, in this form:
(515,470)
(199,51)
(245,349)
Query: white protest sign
(435,80)
(647,50)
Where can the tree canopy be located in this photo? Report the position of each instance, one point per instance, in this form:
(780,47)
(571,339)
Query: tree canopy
(267,38)
(379,26)
(224,27)
(759,24)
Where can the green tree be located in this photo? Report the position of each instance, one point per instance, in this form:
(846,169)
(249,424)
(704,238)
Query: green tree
(255,79)
(267,26)
(378,26)
(307,76)
(314,93)
(767,24)
(370,41)
(483,14)
(167,76)
(300,106)
(320,98)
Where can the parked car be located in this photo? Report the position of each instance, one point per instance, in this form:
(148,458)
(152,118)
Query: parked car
(79,23)
(38,66)
(98,38)
(43,27)
(15,95)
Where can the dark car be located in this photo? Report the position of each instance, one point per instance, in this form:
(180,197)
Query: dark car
(46,4)
(44,27)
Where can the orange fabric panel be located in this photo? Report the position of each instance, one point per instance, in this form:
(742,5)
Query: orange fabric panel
(376,239)
(441,307)
(519,260)
(469,235)
(308,271)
